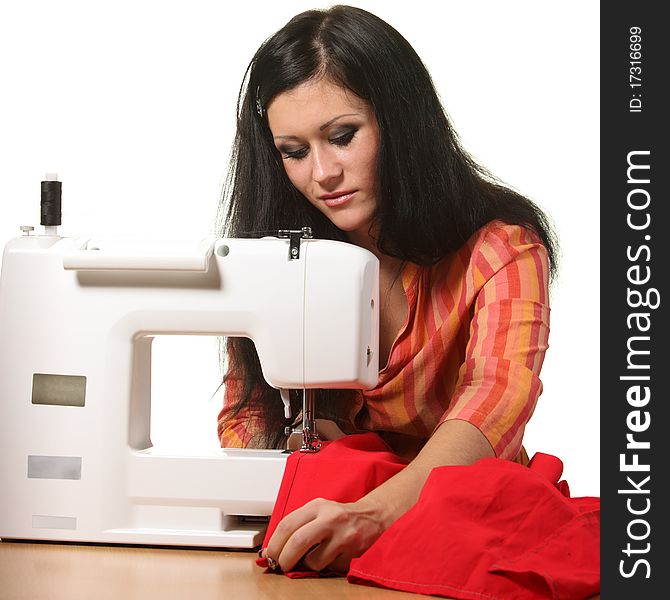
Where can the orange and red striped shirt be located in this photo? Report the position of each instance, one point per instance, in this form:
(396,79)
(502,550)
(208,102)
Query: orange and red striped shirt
(471,348)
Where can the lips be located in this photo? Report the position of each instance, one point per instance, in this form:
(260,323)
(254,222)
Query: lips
(337,198)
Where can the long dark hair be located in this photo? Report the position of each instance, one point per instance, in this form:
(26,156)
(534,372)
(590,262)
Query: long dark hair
(432,195)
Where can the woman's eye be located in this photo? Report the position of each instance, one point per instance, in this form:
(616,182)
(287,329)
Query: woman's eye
(344,139)
(340,140)
(296,154)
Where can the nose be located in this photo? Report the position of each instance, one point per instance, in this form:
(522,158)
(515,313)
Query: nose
(326,166)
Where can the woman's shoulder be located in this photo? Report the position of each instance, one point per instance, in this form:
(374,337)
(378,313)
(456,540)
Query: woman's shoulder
(497,244)
(489,249)
(501,236)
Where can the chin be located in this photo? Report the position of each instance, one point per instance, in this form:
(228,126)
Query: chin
(351,223)
(348,227)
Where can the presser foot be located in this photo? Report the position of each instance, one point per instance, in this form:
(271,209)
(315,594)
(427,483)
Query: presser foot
(302,440)
(310,436)
(310,441)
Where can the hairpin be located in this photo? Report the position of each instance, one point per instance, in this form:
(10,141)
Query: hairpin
(259,106)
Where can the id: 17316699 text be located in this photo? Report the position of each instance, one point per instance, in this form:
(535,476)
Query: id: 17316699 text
(635,70)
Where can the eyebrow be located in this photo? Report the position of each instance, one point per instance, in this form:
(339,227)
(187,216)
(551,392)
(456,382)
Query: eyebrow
(321,128)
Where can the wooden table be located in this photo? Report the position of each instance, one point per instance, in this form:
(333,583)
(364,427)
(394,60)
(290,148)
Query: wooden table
(46,571)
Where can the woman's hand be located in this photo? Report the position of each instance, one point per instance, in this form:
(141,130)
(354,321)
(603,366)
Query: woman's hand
(325,534)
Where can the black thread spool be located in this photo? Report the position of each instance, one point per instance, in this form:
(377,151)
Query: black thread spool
(50,204)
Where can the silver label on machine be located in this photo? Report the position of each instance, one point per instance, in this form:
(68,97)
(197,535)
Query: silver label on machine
(53,522)
(54,467)
(59,390)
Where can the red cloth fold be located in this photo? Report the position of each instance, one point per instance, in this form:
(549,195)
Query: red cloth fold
(492,530)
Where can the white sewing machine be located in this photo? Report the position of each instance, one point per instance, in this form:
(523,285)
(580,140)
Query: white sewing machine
(77,319)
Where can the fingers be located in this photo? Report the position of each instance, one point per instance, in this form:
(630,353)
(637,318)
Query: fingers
(310,536)
(327,555)
(286,529)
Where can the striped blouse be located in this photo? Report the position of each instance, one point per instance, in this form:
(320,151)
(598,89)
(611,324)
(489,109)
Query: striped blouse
(471,348)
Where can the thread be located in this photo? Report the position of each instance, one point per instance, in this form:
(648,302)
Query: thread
(50,205)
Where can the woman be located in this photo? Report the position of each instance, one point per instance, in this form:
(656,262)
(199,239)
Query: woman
(340,129)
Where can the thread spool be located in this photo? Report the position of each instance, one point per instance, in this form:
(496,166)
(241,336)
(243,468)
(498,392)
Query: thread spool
(50,204)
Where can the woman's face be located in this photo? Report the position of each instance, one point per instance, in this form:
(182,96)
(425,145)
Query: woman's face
(329,140)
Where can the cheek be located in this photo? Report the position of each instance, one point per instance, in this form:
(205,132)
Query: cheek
(369,163)
(366,159)
(296,173)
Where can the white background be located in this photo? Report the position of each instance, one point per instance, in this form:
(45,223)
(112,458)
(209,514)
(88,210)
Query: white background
(133,104)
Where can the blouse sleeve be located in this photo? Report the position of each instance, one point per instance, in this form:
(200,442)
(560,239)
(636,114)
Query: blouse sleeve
(498,383)
(243,429)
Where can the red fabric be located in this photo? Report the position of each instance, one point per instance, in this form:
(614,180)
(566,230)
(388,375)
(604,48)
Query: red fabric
(344,471)
(492,530)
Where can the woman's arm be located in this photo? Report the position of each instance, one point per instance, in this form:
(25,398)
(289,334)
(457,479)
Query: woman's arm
(345,531)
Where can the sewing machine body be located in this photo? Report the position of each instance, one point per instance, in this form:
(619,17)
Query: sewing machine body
(77,319)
